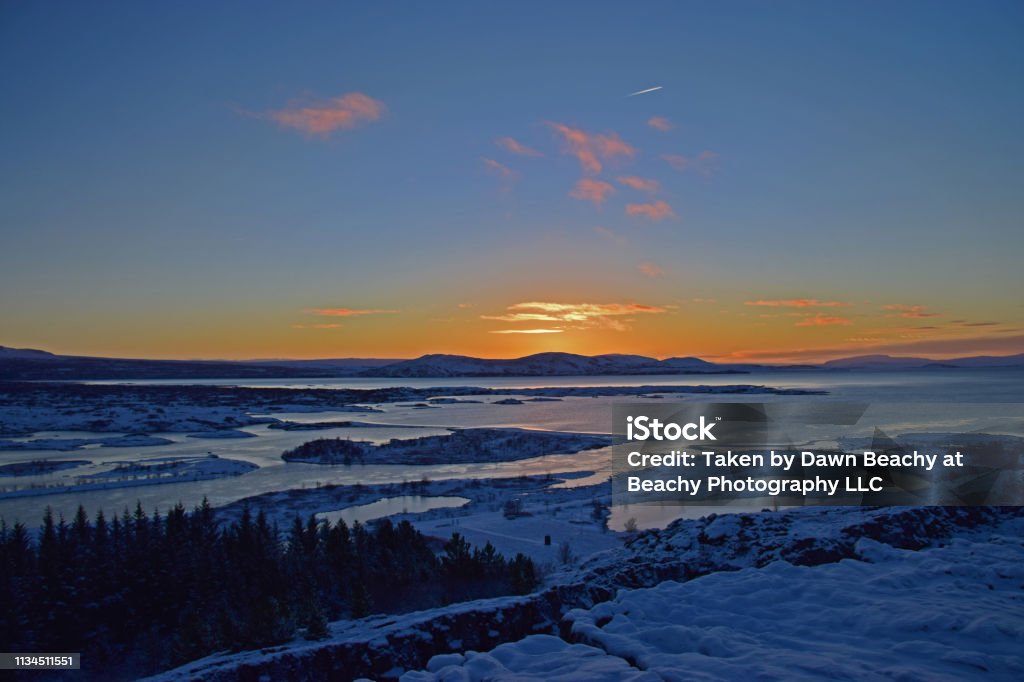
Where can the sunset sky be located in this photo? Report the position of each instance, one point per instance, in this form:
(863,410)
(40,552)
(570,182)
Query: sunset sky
(254,180)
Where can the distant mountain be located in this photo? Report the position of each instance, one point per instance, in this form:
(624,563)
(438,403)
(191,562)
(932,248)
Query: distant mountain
(890,362)
(343,364)
(25,354)
(544,364)
(21,364)
(36,365)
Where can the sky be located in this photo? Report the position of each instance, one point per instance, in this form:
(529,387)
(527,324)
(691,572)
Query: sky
(270,180)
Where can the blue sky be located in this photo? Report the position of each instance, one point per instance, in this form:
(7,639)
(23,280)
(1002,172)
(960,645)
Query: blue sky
(152,203)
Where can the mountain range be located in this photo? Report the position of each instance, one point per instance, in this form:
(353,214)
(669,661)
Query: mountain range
(32,364)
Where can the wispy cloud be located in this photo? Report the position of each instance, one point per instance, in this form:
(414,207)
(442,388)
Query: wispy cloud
(643,184)
(512,145)
(349,312)
(651,270)
(908,311)
(660,123)
(522,317)
(822,320)
(526,331)
(596,191)
(591,149)
(326,116)
(503,171)
(326,326)
(703,163)
(659,210)
(797,303)
(610,235)
(583,315)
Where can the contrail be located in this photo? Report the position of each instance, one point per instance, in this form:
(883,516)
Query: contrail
(644,92)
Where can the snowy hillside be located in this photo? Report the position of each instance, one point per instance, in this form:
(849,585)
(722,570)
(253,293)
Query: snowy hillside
(542,364)
(943,613)
(804,594)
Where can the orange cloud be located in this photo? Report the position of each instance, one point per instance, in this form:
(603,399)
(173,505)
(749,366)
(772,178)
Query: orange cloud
(589,149)
(642,184)
(650,269)
(797,303)
(324,117)
(510,144)
(522,317)
(502,170)
(703,163)
(909,311)
(527,331)
(820,320)
(659,210)
(660,123)
(348,312)
(592,190)
(586,314)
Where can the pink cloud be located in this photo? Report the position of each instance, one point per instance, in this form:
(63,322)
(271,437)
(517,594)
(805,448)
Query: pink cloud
(324,117)
(797,303)
(349,312)
(610,235)
(703,163)
(590,149)
(660,123)
(657,211)
(909,311)
(502,170)
(510,144)
(651,270)
(821,320)
(592,190)
(642,184)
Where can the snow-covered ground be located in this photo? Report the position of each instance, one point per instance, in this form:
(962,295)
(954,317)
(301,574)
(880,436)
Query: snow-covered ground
(152,471)
(946,613)
(925,593)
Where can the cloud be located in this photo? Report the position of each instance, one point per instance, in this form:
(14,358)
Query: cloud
(464,305)
(590,149)
(650,269)
(703,163)
(592,190)
(510,144)
(349,312)
(642,184)
(821,320)
(610,235)
(522,317)
(583,315)
(909,311)
(797,303)
(526,331)
(326,116)
(326,326)
(659,210)
(502,170)
(660,123)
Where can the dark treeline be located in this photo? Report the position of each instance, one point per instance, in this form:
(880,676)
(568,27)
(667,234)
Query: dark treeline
(138,593)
